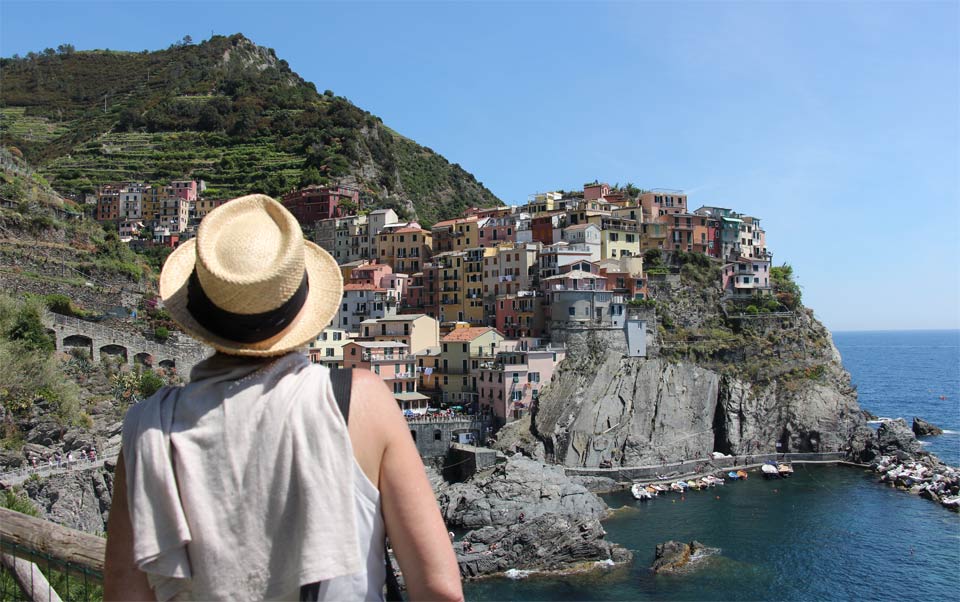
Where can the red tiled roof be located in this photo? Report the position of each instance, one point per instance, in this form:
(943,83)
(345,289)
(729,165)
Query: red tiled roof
(408,230)
(466,334)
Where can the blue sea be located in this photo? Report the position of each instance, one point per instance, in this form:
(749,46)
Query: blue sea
(827,533)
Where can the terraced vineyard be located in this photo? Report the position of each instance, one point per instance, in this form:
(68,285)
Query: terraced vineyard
(15,123)
(229,169)
(226,111)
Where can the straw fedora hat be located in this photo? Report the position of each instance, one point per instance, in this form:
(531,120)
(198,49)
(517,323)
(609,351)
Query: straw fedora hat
(249,284)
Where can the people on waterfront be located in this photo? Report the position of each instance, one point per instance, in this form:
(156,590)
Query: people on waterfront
(258,428)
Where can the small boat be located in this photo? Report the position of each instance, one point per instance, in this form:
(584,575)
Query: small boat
(785,469)
(693,485)
(652,490)
(677,487)
(770,471)
(640,492)
(660,488)
(733,476)
(713,480)
(742,474)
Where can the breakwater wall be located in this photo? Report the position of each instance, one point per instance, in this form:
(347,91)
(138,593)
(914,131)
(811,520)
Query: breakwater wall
(703,466)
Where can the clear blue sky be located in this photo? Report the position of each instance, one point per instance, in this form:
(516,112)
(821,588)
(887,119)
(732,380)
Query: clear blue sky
(837,123)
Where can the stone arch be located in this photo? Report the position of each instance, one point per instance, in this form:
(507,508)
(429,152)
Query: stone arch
(77,341)
(168,363)
(143,359)
(115,351)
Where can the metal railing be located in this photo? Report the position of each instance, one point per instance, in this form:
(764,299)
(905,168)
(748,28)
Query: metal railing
(46,561)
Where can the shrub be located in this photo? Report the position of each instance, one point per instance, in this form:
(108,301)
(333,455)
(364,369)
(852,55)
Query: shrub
(150,382)
(62,304)
(28,329)
(17,501)
(752,309)
(161,333)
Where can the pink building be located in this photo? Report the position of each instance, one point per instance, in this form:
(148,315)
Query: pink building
(509,385)
(371,273)
(393,362)
(497,230)
(185,189)
(746,277)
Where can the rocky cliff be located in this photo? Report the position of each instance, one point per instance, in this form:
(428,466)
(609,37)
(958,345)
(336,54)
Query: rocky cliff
(712,383)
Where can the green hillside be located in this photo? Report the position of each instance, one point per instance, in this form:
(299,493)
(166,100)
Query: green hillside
(227,111)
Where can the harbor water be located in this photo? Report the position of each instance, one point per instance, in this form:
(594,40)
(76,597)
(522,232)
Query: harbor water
(827,533)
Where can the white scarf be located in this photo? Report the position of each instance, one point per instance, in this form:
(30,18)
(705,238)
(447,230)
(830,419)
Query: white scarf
(240,484)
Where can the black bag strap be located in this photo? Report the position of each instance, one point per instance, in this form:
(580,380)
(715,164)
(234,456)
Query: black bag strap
(342,382)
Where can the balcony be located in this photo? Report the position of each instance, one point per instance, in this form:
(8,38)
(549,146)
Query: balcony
(377,357)
(401,376)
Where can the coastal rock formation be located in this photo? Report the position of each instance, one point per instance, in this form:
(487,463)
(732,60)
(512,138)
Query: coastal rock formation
(549,542)
(895,435)
(926,476)
(607,407)
(673,556)
(922,428)
(497,496)
(79,499)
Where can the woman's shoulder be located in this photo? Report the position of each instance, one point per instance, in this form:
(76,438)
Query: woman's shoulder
(148,412)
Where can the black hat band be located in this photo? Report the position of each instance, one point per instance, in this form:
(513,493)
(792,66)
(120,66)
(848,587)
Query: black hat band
(243,328)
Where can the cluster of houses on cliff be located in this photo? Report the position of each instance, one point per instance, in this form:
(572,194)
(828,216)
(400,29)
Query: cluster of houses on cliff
(474,311)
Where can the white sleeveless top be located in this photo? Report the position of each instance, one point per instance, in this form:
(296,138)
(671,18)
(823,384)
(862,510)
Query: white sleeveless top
(242,485)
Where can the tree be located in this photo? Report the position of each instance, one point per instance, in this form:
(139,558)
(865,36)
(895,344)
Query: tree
(187,40)
(787,291)
(310,175)
(65,49)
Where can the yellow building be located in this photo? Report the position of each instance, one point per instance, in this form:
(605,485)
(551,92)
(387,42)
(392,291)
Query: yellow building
(544,202)
(451,286)
(417,331)
(459,349)
(456,234)
(619,237)
(404,249)
(474,260)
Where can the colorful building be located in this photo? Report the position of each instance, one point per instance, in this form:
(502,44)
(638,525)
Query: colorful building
(511,383)
(315,203)
(327,348)
(393,362)
(458,348)
(417,331)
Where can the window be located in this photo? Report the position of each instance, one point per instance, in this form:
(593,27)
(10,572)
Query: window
(571,310)
(465,345)
(516,395)
(337,336)
(353,351)
(437,435)
(533,377)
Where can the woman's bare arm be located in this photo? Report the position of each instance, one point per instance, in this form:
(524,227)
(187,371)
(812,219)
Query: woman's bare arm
(121,578)
(414,525)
